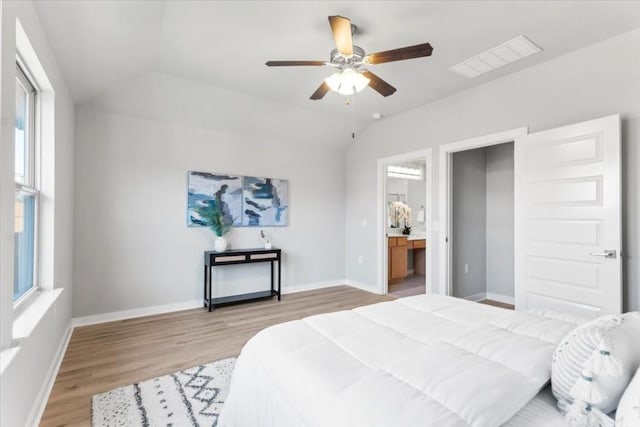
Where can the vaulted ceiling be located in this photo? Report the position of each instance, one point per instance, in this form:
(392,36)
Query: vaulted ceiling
(224,44)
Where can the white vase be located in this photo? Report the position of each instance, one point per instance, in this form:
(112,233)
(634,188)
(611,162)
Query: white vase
(220,244)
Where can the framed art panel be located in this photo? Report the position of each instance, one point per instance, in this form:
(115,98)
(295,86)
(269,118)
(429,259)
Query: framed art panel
(203,191)
(266,202)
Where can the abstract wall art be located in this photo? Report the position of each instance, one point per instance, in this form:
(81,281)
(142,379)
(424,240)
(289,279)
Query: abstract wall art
(247,201)
(203,190)
(266,202)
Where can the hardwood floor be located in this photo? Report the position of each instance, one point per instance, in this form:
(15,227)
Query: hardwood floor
(109,355)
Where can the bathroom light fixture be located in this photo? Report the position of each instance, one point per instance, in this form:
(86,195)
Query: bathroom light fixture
(404,172)
(347,82)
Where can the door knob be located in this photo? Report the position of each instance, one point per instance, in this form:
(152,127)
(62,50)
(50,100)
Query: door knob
(606,254)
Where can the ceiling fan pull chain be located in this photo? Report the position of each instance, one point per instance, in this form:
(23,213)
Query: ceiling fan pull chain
(353,116)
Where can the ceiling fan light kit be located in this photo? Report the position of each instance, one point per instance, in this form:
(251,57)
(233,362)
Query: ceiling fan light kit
(347,81)
(348,59)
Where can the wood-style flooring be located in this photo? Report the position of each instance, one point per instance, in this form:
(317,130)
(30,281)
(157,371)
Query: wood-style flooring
(105,356)
(498,304)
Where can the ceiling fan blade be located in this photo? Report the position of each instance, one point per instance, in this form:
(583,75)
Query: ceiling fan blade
(409,52)
(341,29)
(293,63)
(379,85)
(320,92)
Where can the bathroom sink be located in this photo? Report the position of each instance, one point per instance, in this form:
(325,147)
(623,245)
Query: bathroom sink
(417,236)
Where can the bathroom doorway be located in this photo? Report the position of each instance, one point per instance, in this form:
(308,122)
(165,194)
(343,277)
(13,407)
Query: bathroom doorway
(405,224)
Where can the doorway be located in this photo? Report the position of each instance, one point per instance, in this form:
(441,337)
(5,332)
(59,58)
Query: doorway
(477,217)
(404,224)
(482,224)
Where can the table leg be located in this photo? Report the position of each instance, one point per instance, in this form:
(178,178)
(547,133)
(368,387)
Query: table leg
(210,293)
(272,288)
(279,278)
(204,300)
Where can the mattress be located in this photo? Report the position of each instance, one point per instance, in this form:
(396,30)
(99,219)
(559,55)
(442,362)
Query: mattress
(427,360)
(541,411)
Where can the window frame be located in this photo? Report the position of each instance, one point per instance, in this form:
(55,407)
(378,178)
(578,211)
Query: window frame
(31,185)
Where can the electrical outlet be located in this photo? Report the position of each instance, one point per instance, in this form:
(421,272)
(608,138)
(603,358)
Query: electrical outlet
(466,269)
(360,259)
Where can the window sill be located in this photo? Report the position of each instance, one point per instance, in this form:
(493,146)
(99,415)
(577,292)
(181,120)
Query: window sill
(24,300)
(32,313)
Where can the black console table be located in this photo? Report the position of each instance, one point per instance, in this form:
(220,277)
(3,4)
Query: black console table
(234,257)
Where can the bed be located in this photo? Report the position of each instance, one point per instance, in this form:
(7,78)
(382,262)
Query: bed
(427,360)
(541,411)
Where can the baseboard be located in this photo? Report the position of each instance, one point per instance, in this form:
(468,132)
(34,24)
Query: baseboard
(362,286)
(500,298)
(136,312)
(311,286)
(477,297)
(37,410)
(187,305)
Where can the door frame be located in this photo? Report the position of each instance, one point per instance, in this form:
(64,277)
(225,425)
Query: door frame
(446,152)
(381,229)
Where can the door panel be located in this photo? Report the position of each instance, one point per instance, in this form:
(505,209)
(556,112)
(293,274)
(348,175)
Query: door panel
(567,192)
(567,214)
(569,231)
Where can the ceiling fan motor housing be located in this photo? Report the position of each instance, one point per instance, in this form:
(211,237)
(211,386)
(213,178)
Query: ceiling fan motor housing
(355,60)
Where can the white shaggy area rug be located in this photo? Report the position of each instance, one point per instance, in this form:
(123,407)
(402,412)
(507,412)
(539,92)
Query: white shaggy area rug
(189,398)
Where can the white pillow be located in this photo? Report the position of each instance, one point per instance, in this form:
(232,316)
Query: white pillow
(628,414)
(595,362)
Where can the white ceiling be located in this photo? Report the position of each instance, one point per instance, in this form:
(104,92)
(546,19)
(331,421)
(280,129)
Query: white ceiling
(225,43)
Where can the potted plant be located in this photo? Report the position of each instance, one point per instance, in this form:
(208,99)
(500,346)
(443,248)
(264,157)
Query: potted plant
(213,213)
(398,212)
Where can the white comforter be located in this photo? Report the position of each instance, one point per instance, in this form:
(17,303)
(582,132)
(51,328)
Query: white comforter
(421,361)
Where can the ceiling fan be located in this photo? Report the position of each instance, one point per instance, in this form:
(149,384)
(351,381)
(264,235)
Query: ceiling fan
(348,59)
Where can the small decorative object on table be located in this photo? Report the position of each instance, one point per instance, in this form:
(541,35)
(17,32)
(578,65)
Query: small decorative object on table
(214,215)
(265,240)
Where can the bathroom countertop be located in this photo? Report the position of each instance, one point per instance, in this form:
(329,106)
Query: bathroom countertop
(409,237)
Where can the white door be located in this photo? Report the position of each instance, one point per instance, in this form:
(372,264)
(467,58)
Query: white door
(568,219)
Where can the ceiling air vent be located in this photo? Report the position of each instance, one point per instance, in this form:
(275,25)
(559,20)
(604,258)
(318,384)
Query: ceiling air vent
(499,56)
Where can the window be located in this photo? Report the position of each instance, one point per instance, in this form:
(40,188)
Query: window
(27,194)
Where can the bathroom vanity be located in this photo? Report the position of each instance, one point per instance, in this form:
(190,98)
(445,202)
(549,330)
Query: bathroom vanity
(401,248)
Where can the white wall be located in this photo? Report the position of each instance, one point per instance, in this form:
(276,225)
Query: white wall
(500,220)
(416,189)
(132,246)
(24,380)
(469,223)
(596,81)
